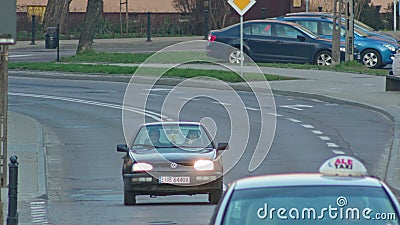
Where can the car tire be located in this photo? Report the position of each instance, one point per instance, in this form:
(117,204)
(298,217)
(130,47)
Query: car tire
(371,58)
(214,196)
(234,57)
(129,198)
(323,58)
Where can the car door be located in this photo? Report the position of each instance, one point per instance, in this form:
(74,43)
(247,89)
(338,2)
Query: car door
(290,48)
(259,39)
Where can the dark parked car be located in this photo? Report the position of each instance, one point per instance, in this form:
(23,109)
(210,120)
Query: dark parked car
(172,158)
(270,41)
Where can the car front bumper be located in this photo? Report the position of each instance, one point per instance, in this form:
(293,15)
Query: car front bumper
(143,183)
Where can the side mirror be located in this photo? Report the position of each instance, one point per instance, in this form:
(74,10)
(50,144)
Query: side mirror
(122,148)
(222,146)
(301,38)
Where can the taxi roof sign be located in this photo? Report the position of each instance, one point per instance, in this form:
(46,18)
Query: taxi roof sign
(343,166)
(241,6)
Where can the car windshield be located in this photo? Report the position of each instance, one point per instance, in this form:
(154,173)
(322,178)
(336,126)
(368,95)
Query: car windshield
(310,205)
(187,136)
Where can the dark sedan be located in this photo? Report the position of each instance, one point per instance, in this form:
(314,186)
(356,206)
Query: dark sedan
(270,41)
(171,158)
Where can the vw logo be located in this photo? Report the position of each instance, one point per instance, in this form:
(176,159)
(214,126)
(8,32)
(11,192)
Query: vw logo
(174,165)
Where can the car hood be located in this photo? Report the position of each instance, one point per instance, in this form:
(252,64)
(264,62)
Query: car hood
(383,40)
(177,155)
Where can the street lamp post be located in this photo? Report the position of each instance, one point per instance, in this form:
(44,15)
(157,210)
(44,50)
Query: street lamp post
(307,5)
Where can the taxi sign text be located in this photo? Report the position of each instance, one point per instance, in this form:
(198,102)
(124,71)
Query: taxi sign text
(344,164)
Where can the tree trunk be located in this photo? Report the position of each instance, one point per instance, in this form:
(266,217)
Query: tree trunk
(93,14)
(57,13)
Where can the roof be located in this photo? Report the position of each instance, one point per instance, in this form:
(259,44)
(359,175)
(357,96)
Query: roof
(172,123)
(304,179)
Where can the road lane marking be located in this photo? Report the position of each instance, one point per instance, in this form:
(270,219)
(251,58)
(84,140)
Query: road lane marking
(274,114)
(317,132)
(337,152)
(252,109)
(221,103)
(294,120)
(332,145)
(18,56)
(307,126)
(157,89)
(324,138)
(297,107)
(148,113)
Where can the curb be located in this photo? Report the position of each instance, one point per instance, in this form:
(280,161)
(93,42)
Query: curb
(168,81)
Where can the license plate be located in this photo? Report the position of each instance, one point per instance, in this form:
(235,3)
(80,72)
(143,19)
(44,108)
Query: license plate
(174,180)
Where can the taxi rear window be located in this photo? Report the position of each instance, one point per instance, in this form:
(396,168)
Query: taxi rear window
(311,205)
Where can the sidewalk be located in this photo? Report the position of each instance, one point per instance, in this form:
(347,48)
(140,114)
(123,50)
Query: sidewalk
(25,140)
(359,90)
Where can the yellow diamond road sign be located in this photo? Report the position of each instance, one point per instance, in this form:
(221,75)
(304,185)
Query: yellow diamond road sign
(241,6)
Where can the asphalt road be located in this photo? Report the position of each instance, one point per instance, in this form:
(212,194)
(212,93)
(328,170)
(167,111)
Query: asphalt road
(82,121)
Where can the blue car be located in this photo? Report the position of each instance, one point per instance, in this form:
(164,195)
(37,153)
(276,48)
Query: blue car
(375,51)
(357,24)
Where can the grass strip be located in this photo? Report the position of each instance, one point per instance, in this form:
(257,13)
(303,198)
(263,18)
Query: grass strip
(227,76)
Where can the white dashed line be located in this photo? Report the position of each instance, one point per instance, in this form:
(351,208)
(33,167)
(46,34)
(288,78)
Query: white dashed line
(307,126)
(317,132)
(330,104)
(221,103)
(324,138)
(274,114)
(189,99)
(157,89)
(338,152)
(149,94)
(17,56)
(332,145)
(294,120)
(297,107)
(252,109)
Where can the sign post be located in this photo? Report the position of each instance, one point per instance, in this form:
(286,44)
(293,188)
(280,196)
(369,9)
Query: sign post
(241,7)
(8,36)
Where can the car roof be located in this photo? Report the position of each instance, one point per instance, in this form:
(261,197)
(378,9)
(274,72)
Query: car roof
(271,21)
(325,14)
(304,179)
(172,123)
(306,18)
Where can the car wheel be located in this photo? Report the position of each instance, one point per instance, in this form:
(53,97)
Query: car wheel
(234,57)
(323,58)
(215,196)
(129,198)
(371,58)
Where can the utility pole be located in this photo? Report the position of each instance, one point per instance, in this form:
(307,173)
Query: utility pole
(349,30)
(337,26)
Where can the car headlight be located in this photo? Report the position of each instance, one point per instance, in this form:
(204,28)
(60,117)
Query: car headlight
(204,165)
(390,47)
(137,167)
(342,49)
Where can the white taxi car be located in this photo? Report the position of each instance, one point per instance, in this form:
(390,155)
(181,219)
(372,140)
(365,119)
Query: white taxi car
(341,193)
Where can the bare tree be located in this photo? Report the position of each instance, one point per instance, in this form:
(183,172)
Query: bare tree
(94,11)
(219,10)
(57,13)
(194,8)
